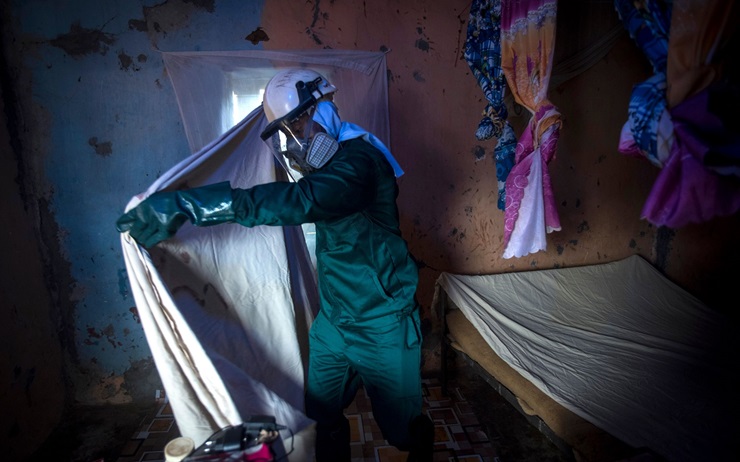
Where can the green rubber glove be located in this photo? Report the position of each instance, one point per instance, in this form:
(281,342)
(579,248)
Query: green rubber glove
(159,216)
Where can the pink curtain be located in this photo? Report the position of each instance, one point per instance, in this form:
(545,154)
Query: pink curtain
(527,46)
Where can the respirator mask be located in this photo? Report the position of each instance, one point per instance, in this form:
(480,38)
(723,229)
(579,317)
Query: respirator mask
(305,144)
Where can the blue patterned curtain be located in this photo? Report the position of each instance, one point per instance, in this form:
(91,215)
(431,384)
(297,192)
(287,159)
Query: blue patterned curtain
(483,55)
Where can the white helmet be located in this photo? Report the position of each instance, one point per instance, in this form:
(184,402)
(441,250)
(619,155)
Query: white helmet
(290,93)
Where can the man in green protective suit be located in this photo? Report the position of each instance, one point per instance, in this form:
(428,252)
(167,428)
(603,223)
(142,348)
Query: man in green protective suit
(367,332)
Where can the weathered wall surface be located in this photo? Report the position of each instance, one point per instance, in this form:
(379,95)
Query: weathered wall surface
(32,388)
(93,120)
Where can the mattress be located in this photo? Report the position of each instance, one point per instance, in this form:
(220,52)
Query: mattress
(604,355)
(578,438)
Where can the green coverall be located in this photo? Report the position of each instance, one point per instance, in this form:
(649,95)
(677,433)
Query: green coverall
(367,332)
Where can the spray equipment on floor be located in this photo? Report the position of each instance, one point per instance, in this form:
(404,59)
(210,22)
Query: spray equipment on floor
(248,441)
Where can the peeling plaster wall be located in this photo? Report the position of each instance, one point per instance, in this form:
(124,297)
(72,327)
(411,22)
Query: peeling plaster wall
(112,126)
(97,122)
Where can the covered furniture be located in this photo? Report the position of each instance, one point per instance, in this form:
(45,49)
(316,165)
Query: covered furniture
(611,361)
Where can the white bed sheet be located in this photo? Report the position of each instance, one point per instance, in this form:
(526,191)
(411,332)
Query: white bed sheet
(618,344)
(226,329)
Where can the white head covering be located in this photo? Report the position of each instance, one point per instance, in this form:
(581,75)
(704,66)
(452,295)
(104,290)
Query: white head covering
(327,116)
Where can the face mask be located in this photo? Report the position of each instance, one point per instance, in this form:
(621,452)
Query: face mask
(310,153)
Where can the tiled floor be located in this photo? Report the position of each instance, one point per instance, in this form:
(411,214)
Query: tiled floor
(473,424)
(458,434)
(148,441)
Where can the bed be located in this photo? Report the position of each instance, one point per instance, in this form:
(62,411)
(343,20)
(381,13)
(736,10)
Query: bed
(610,361)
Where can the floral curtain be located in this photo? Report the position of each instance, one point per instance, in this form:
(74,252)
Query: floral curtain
(483,55)
(527,46)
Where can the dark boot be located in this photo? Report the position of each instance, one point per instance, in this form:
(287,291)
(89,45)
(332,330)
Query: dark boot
(421,432)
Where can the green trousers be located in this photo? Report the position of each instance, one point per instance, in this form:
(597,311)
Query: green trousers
(384,356)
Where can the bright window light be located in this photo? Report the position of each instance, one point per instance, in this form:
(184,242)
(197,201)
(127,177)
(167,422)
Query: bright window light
(247,90)
(243,103)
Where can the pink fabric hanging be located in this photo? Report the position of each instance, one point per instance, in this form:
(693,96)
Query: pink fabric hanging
(692,106)
(690,187)
(527,46)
